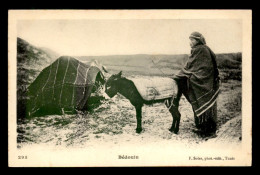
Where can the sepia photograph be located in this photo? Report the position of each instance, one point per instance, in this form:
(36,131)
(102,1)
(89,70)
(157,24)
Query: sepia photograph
(129,88)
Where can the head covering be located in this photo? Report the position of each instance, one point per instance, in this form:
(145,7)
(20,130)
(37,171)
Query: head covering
(198,36)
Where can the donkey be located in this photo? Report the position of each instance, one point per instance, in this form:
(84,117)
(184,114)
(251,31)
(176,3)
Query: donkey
(118,84)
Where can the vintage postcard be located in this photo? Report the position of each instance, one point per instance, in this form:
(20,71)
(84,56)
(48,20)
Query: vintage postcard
(129,88)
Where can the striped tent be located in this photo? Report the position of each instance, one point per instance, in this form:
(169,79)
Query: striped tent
(63,86)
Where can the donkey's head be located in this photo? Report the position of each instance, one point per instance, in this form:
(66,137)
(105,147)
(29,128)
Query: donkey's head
(112,84)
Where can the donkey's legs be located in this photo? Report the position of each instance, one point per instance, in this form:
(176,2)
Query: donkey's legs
(176,119)
(175,112)
(138,118)
(173,124)
(175,105)
(177,124)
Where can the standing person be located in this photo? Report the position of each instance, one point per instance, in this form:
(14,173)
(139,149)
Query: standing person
(198,81)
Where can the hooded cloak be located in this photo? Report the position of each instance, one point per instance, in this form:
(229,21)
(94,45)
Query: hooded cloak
(200,75)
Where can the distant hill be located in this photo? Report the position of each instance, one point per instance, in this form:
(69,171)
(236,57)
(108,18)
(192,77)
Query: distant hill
(224,60)
(229,60)
(139,60)
(31,60)
(229,64)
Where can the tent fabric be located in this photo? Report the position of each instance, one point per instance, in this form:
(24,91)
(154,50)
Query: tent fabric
(66,83)
(155,88)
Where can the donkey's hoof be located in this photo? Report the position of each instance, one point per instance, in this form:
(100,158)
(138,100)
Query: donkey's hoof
(138,130)
(175,131)
(171,129)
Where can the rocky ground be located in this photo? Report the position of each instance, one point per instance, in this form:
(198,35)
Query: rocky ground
(113,122)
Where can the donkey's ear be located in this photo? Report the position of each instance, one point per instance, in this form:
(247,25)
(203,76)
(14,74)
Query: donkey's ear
(119,74)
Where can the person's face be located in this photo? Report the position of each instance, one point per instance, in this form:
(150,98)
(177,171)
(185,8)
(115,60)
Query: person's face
(193,42)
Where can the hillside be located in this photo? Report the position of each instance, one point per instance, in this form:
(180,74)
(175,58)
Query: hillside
(30,61)
(228,63)
(139,60)
(224,60)
(49,52)
(31,56)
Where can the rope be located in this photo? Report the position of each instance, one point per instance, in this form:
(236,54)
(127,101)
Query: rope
(157,67)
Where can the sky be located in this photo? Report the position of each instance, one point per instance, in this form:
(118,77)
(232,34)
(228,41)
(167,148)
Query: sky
(130,36)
